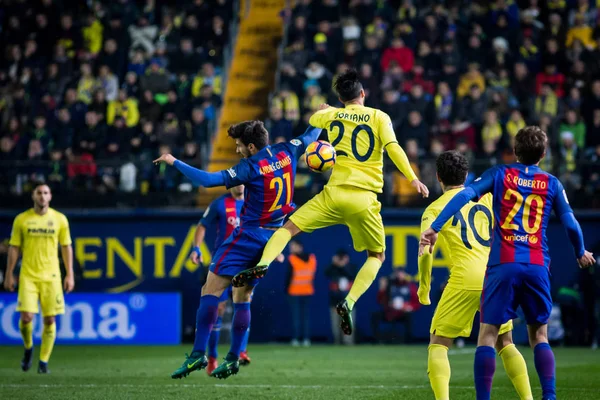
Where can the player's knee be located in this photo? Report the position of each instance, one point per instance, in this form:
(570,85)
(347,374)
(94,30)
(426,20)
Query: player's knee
(243,294)
(26,317)
(503,341)
(49,320)
(378,255)
(537,334)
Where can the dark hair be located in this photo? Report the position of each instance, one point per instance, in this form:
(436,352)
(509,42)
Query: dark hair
(452,168)
(347,86)
(530,145)
(37,184)
(250,132)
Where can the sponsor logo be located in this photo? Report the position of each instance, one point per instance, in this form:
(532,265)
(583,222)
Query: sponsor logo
(50,223)
(521,238)
(231,172)
(296,142)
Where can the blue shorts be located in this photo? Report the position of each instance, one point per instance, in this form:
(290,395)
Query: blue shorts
(240,251)
(226,294)
(508,286)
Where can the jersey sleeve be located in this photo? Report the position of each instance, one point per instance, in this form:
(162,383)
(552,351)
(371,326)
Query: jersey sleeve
(321,118)
(561,201)
(16,235)
(425,262)
(298,145)
(238,174)
(485,183)
(210,215)
(64,235)
(385,129)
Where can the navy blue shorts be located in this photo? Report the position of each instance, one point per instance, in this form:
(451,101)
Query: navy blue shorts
(508,286)
(226,294)
(240,251)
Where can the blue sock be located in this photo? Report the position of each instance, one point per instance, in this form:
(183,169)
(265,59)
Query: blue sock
(484,368)
(239,328)
(213,340)
(543,358)
(205,318)
(245,341)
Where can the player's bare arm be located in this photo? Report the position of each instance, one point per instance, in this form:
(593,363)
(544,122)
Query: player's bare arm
(196,255)
(67,256)
(13,257)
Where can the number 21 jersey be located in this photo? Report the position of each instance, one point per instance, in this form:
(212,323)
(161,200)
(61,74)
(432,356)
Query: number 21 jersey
(524,197)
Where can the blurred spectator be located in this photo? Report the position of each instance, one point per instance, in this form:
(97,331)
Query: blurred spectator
(287,101)
(402,189)
(125,107)
(472,78)
(87,84)
(403,56)
(551,77)
(109,83)
(574,125)
(397,296)
(580,31)
(131,85)
(149,109)
(207,76)
(300,289)
(278,127)
(341,275)
(142,36)
(155,79)
(547,103)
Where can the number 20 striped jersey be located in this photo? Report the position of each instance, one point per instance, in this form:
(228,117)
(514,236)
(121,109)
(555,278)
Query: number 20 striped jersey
(524,197)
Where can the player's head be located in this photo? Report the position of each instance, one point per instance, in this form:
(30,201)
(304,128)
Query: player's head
(250,137)
(237,191)
(41,195)
(530,145)
(452,168)
(348,87)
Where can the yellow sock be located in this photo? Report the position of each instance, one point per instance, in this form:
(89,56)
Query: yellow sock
(26,333)
(516,369)
(48,337)
(275,246)
(438,369)
(363,280)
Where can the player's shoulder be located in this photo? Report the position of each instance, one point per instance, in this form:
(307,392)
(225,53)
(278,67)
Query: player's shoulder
(57,214)
(437,205)
(24,215)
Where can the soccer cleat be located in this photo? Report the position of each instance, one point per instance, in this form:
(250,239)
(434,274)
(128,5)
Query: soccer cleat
(226,369)
(249,275)
(192,363)
(244,359)
(346,317)
(27,360)
(43,368)
(212,365)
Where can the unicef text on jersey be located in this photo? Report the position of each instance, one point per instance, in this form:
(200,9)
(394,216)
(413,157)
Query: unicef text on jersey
(90,318)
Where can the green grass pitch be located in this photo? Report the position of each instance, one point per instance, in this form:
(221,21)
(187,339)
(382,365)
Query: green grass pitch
(276,372)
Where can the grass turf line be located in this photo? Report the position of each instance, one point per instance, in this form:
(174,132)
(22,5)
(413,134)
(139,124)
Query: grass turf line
(276,372)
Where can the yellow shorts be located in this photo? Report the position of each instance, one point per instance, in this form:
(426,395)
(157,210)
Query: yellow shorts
(48,293)
(357,208)
(454,314)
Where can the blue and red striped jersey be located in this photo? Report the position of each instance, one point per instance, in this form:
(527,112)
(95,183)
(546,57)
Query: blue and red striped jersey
(268,177)
(524,197)
(224,213)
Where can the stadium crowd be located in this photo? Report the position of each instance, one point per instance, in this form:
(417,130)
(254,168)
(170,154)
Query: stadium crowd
(92,91)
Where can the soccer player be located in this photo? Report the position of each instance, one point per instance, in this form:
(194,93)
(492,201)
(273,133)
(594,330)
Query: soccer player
(224,214)
(360,135)
(518,266)
(268,174)
(36,234)
(466,243)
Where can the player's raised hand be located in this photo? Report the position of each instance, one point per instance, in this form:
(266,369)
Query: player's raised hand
(9,282)
(323,106)
(428,239)
(69,283)
(587,260)
(420,187)
(166,158)
(196,255)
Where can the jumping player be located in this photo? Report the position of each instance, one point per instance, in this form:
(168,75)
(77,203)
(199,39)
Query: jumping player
(268,174)
(37,234)
(466,244)
(224,215)
(359,135)
(518,267)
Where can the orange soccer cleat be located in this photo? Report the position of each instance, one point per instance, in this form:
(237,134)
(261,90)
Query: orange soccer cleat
(244,359)
(212,365)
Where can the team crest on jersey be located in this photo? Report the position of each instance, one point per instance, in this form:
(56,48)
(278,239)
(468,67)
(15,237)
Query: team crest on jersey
(231,173)
(296,142)
(50,223)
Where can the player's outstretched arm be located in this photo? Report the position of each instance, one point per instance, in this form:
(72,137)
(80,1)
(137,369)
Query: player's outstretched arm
(400,160)
(197,176)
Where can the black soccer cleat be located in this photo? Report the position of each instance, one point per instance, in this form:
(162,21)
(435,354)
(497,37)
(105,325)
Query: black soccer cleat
(27,360)
(346,316)
(241,279)
(43,368)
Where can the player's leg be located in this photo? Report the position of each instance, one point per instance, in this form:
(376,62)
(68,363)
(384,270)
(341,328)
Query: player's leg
(438,366)
(52,302)
(315,214)
(27,305)
(215,333)
(485,360)
(239,327)
(205,318)
(514,363)
(536,303)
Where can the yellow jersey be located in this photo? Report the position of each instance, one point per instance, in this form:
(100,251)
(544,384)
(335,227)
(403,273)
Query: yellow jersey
(464,239)
(359,135)
(38,236)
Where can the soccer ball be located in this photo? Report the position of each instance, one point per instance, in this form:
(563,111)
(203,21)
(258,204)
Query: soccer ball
(320,156)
